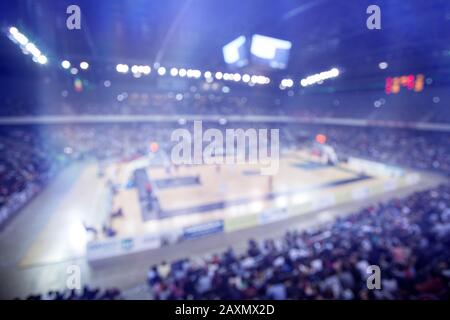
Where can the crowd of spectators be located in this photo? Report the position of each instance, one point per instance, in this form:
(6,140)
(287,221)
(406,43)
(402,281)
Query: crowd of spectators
(406,148)
(220,99)
(26,164)
(408,239)
(32,155)
(86,293)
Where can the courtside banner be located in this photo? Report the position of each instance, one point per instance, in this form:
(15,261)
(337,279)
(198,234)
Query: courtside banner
(203,229)
(98,250)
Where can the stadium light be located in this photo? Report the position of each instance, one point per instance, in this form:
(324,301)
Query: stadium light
(334,72)
(65,64)
(194,73)
(319,77)
(31,48)
(383,65)
(122,68)
(174,72)
(245,78)
(17,36)
(13,30)
(138,70)
(263,80)
(287,83)
(161,71)
(42,59)
(27,47)
(197,73)
(135,69)
(146,69)
(182,72)
(219,75)
(84,65)
(207,74)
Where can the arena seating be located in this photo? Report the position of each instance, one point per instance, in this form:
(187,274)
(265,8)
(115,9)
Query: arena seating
(407,238)
(224,150)
(410,108)
(31,156)
(86,293)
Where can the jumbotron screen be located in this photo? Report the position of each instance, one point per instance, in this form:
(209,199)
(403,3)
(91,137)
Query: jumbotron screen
(270,51)
(235,53)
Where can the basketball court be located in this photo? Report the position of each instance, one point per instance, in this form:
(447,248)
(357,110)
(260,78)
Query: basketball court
(202,209)
(194,201)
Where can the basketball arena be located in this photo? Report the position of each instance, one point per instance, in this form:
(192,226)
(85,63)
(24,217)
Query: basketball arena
(225,150)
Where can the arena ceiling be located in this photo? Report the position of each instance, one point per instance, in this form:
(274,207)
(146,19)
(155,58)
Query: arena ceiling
(415,34)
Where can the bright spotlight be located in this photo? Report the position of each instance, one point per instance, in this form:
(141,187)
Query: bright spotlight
(237,77)
(196,73)
(84,65)
(287,83)
(182,72)
(207,74)
(161,71)
(334,72)
(13,30)
(246,78)
(122,68)
(383,65)
(31,48)
(135,69)
(319,77)
(65,64)
(146,69)
(219,75)
(17,36)
(42,59)
(174,72)
(261,80)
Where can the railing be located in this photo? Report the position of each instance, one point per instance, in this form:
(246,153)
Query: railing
(43,120)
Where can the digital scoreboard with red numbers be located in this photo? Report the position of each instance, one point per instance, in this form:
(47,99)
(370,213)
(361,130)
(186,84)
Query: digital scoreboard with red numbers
(410,82)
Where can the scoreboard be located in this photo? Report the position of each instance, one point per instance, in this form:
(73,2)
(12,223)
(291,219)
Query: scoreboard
(410,82)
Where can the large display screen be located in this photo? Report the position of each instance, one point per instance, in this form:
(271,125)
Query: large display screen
(270,51)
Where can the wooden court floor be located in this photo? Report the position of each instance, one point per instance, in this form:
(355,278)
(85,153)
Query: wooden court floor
(226,191)
(48,234)
(229,191)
